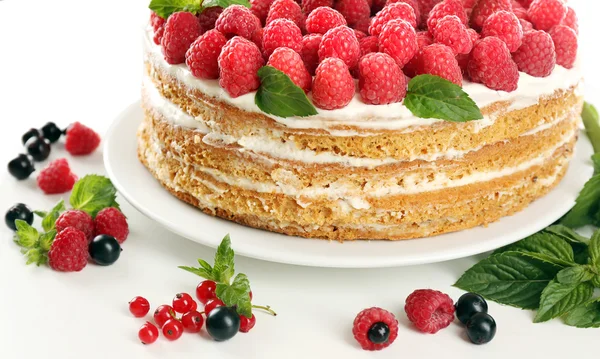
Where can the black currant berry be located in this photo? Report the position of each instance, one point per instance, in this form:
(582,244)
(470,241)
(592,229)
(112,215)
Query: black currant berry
(18,211)
(38,148)
(21,167)
(481,328)
(51,132)
(379,333)
(222,323)
(105,250)
(31,133)
(468,305)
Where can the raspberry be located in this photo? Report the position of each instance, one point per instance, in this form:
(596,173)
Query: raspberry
(571,21)
(380,80)
(260,9)
(429,310)
(76,219)
(505,26)
(286,9)
(524,3)
(363,25)
(378,5)
(202,57)
(353,10)
(545,14)
(81,140)
(537,55)
(526,25)
(310,51)
(158,35)
(237,20)
(181,30)
(565,43)
(468,4)
(399,40)
(340,43)
(491,65)
(57,177)
(423,39)
(281,33)
(239,62)
(333,86)
(208,18)
(112,222)
(439,60)
(156,21)
(425,7)
(368,45)
(443,9)
(474,35)
(309,5)
(359,34)
(484,8)
(451,32)
(463,63)
(69,251)
(257,38)
(290,62)
(366,320)
(413,3)
(323,19)
(396,11)
(520,13)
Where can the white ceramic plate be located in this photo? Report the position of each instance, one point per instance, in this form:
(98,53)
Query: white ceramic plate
(136,184)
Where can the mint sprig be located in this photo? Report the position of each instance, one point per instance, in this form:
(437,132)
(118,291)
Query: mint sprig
(93,193)
(164,8)
(236,294)
(279,96)
(591,120)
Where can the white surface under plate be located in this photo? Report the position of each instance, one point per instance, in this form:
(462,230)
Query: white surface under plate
(136,184)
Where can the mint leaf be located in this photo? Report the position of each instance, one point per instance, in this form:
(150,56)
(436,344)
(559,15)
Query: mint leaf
(567,234)
(596,160)
(585,316)
(587,205)
(164,8)
(431,96)
(49,220)
(26,234)
(574,275)
(200,272)
(594,249)
(558,299)
(544,246)
(225,3)
(509,278)
(237,294)
(93,193)
(36,256)
(590,118)
(279,96)
(224,267)
(46,240)
(40,214)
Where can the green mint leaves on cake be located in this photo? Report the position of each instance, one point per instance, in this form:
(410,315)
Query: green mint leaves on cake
(279,96)
(164,8)
(431,96)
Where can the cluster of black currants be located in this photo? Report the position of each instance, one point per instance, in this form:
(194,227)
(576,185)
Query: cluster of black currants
(471,310)
(37,143)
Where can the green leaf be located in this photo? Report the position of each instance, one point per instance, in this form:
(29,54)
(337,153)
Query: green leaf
(509,278)
(544,246)
(237,294)
(431,96)
(574,275)
(586,206)
(27,235)
(225,3)
(36,256)
(279,96)
(164,8)
(224,267)
(558,299)
(46,240)
(200,272)
(585,316)
(596,160)
(578,242)
(40,214)
(93,193)
(49,220)
(592,124)
(594,249)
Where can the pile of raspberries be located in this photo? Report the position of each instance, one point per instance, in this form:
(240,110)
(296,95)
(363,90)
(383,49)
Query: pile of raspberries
(324,45)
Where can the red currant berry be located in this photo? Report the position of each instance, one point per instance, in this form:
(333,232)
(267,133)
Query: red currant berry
(172,329)
(162,314)
(139,307)
(148,333)
(182,303)
(247,324)
(194,306)
(192,321)
(212,304)
(206,291)
(250,295)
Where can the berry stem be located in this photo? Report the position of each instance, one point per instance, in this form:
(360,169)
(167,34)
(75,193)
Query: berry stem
(266,308)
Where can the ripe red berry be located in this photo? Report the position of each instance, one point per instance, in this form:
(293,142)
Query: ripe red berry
(239,62)
(505,26)
(208,18)
(281,33)
(113,222)
(485,8)
(380,80)
(396,11)
(237,20)
(399,40)
(363,25)
(491,65)
(139,306)
(192,321)
(309,5)
(158,35)
(571,21)
(310,51)
(526,25)
(148,333)
(565,43)
(162,314)
(443,9)
(81,140)
(181,29)
(429,310)
(413,3)
(375,328)
(156,21)
(172,329)
(69,251)
(205,291)
(212,304)
(545,14)
(182,303)
(77,219)
(57,177)
(250,295)
(247,324)
(340,43)
(425,7)
(323,19)
(353,11)
(537,55)
(423,39)
(439,60)
(368,45)
(203,55)
(289,62)
(260,9)
(286,9)
(333,86)
(451,32)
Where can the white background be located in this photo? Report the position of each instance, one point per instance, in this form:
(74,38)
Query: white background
(67,61)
